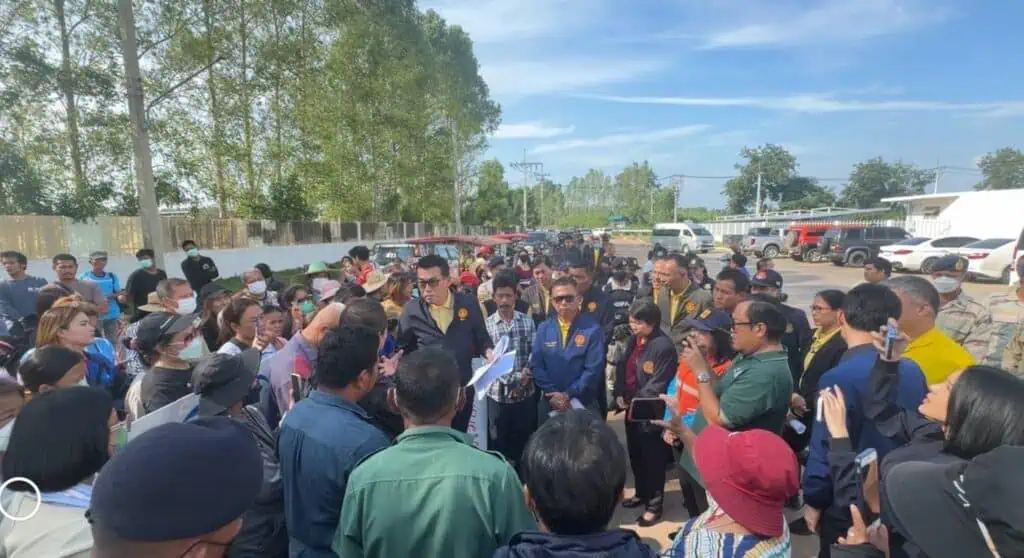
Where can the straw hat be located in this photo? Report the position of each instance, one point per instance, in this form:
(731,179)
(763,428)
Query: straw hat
(152,303)
(374,281)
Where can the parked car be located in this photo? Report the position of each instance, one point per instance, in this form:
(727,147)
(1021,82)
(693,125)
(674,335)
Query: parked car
(763,241)
(991,258)
(919,253)
(685,237)
(385,253)
(853,245)
(801,241)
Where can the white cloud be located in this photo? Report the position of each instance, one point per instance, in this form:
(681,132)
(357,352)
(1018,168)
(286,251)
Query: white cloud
(535,77)
(530,130)
(813,103)
(623,139)
(831,22)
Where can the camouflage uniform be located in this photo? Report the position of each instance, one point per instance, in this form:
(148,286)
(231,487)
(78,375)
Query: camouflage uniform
(967,322)
(1013,356)
(1007,311)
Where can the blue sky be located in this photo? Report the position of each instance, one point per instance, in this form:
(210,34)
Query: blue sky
(686,83)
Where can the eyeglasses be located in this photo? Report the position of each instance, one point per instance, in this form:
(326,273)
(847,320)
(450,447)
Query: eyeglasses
(733,326)
(432,283)
(564,299)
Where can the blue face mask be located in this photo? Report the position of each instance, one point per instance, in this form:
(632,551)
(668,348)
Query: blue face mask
(146,263)
(193,352)
(306,307)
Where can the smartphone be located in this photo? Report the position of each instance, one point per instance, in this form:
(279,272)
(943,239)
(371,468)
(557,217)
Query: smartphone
(298,385)
(890,341)
(867,484)
(797,426)
(645,409)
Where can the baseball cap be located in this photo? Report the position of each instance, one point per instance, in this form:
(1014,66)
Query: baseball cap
(98,255)
(767,278)
(210,290)
(950,262)
(709,320)
(160,325)
(469,279)
(750,474)
(222,380)
(210,465)
(939,506)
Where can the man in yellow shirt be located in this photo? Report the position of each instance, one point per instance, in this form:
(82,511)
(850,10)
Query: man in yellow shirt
(936,354)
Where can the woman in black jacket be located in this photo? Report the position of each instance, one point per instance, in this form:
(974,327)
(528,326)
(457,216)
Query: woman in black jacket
(824,350)
(649,366)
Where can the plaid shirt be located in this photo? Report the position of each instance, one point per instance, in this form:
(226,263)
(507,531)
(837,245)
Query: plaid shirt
(520,331)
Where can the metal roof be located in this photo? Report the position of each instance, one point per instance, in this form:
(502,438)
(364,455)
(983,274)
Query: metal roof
(816,214)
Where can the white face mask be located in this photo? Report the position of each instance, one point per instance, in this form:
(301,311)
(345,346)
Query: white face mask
(258,288)
(193,352)
(946,285)
(318,283)
(186,306)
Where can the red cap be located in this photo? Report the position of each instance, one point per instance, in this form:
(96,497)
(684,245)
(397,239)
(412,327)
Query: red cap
(469,279)
(750,475)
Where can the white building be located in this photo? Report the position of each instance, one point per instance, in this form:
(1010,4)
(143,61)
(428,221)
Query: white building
(986,214)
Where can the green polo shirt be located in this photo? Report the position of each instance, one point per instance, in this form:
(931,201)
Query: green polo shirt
(752,393)
(431,494)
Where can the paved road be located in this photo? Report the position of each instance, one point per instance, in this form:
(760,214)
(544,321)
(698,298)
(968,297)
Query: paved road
(801,282)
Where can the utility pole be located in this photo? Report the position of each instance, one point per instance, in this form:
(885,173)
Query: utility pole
(152,228)
(757,211)
(938,173)
(676,180)
(526,168)
(541,178)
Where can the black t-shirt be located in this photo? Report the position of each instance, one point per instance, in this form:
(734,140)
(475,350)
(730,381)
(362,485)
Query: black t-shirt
(199,272)
(163,386)
(140,284)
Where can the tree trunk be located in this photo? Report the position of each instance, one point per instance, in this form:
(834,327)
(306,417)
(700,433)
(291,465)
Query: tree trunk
(67,80)
(220,190)
(243,34)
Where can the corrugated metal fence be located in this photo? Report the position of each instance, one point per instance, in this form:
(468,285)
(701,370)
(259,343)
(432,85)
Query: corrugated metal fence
(44,236)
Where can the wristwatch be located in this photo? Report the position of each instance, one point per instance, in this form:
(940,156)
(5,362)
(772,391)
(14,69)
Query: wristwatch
(703,377)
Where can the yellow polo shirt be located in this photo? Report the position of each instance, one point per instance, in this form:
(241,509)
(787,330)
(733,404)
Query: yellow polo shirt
(443,314)
(545,299)
(937,355)
(563,330)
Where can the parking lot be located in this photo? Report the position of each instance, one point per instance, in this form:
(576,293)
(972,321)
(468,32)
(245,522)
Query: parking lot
(801,281)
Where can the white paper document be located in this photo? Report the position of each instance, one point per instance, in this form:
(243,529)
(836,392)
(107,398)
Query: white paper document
(573,403)
(180,411)
(502,364)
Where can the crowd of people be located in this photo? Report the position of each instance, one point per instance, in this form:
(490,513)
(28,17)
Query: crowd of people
(332,414)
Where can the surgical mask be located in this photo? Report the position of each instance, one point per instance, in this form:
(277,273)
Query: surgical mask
(193,351)
(84,382)
(146,263)
(192,252)
(318,283)
(258,288)
(186,306)
(306,307)
(946,285)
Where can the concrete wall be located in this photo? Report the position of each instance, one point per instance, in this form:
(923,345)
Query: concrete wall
(229,262)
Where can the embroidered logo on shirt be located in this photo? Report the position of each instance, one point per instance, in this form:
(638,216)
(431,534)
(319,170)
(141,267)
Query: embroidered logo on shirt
(551,344)
(648,367)
(579,339)
(690,307)
(592,306)
(705,314)
(463,313)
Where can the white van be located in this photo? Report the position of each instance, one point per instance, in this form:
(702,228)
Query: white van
(685,237)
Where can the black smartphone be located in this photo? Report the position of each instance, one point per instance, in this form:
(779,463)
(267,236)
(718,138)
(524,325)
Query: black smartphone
(298,387)
(646,409)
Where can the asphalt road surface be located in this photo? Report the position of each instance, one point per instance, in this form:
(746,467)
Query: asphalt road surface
(800,282)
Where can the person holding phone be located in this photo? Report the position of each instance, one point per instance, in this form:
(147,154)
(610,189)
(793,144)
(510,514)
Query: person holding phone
(640,378)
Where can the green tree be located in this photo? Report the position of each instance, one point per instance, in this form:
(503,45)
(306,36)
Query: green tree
(22,189)
(874,179)
(773,163)
(490,204)
(1002,170)
(806,193)
(635,193)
